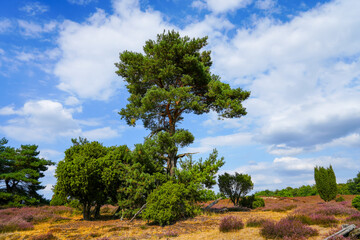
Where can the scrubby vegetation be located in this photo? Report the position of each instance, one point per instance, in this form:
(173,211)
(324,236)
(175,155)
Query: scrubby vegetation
(230,223)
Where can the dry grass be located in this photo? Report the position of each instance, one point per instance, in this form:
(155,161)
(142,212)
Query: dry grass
(205,226)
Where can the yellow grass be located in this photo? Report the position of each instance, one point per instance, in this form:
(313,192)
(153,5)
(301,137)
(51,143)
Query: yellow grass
(205,226)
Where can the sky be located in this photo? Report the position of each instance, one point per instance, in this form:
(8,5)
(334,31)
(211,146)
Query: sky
(299,59)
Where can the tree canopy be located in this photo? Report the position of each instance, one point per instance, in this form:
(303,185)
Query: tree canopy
(235,186)
(170,79)
(20,171)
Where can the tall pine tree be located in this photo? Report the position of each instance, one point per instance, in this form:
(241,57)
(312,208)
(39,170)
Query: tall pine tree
(170,79)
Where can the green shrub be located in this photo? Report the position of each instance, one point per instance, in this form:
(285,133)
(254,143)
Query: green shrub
(325,181)
(168,203)
(58,200)
(356,202)
(252,202)
(340,199)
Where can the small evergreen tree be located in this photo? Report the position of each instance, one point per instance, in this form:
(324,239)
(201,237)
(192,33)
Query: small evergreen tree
(325,181)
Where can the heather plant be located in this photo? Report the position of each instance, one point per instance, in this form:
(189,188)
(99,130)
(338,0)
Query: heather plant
(287,228)
(356,202)
(230,223)
(255,222)
(13,219)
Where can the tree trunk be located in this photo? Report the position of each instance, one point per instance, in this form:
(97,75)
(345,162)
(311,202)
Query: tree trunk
(97,211)
(86,211)
(172,166)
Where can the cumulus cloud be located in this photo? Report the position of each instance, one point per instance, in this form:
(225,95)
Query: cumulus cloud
(47,120)
(102,36)
(303,76)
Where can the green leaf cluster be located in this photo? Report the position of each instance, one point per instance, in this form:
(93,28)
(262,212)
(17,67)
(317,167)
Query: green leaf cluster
(235,186)
(20,171)
(356,202)
(325,183)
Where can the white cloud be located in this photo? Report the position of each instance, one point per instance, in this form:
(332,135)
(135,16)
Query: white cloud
(216,6)
(50,154)
(102,37)
(100,133)
(209,143)
(32,29)
(9,110)
(72,101)
(42,120)
(5,24)
(294,172)
(265,4)
(34,8)
(304,76)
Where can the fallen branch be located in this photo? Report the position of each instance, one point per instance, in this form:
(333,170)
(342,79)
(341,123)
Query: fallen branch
(142,208)
(212,204)
(343,231)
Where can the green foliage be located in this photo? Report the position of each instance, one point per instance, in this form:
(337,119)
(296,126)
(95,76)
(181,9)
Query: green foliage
(303,191)
(169,203)
(58,200)
(252,202)
(340,199)
(325,183)
(20,171)
(356,202)
(354,185)
(172,78)
(235,186)
(343,189)
(90,173)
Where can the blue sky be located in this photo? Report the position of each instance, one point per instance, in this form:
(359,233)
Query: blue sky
(299,59)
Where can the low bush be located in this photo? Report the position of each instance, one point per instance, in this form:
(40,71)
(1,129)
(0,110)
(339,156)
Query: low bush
(340,199)
(356,202)
(252,202)
(230,223)
(169,203)
(15,224)
(255,222)
(287,228)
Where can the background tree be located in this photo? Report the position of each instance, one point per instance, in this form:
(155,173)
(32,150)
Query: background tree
(170,79)
(20,172)
(325,181)
(354,185)
(235,186)
(91,173)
